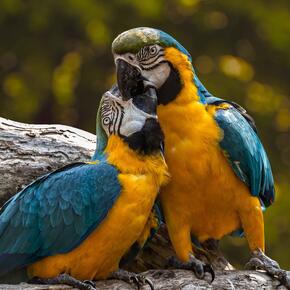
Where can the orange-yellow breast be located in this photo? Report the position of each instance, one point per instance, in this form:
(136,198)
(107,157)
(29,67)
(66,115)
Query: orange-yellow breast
(101,252)
(204,194)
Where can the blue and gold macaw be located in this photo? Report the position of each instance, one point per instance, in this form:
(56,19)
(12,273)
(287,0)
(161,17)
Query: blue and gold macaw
(81,220)
(221,175)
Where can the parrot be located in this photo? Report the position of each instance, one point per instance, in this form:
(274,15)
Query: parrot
(77,223)
(221,178)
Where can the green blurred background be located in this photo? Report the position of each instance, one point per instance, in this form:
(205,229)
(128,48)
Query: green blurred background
(55,63)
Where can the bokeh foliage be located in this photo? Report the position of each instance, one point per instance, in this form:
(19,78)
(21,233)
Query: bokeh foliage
(55,63)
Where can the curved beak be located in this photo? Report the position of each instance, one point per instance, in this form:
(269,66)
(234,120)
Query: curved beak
(130,79)
(133,85)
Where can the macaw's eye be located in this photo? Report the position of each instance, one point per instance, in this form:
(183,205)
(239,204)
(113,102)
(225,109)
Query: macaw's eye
(106,121)
(153,50)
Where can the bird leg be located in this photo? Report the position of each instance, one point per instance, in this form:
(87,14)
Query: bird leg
(132,278)
(198,267)
(64,279)
(259,261)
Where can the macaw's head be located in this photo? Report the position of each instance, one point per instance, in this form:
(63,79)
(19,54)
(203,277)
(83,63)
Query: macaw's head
(133,119)
(151,57)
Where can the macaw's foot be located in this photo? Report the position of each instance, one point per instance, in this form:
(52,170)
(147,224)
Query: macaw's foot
(198,267)
(260,261)
(64,279)
(132,278)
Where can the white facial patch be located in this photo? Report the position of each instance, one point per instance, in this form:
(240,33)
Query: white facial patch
(158,75)
(121,117)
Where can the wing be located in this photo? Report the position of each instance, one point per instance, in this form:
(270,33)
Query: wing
(246,153)
(55,213)
(207,98)
(217,101)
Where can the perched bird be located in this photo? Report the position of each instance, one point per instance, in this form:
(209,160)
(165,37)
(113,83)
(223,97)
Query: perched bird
(221,179)
(79,221)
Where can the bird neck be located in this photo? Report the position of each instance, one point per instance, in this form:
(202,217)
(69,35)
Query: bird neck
(187,115)
(130,161)
(187,91)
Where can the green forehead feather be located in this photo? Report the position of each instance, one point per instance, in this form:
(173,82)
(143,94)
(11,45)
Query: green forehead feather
(134,39)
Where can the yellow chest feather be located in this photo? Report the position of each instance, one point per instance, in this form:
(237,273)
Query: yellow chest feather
(100,253)
(203,192)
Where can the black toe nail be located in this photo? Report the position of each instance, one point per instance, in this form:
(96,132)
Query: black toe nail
(208,268)
(149,282)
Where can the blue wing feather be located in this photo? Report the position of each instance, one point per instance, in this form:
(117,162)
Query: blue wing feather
(246,154)
(55,213)
(242,146)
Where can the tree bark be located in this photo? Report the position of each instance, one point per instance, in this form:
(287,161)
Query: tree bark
(28,151)
(176,280)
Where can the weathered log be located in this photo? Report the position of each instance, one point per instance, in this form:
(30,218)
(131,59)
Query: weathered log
(28,151)
(176,280)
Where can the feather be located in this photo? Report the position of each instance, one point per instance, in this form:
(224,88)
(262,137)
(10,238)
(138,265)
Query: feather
(56,213)
(246,154)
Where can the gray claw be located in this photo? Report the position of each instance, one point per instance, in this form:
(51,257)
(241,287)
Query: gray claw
(90,283)
(150,283)
(208,269)
(198,269)
(254,264)
(284,279)
(141,280)
(64,279)
(195,265)
(262,262)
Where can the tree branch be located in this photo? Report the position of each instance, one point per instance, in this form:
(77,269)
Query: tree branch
(177,280)
(28,151)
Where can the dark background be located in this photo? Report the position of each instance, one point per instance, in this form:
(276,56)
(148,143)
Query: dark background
(55,63)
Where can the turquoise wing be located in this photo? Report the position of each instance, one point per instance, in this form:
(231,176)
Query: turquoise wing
(242,146)
(55,213)
(246,153)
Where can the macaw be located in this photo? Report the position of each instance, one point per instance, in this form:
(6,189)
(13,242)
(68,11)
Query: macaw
(221,178)
(78,222)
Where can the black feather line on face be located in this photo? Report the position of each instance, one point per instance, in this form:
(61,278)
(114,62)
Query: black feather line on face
(115,116)
(153,66)
(147,52)
(121,120)
(150,59)
(113,111)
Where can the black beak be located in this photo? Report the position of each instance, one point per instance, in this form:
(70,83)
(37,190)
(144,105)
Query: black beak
(130,80)
(147,101)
